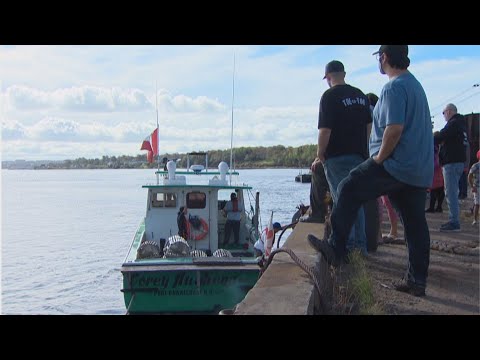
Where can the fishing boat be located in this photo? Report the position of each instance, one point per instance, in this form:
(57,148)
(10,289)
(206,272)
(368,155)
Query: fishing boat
(165,273)
(304,177)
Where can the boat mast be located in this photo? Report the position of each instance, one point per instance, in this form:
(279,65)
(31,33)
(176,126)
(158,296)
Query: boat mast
(231,135)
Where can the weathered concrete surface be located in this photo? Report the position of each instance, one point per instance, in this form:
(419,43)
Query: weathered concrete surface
(286,289)
(453,284)
(453,281)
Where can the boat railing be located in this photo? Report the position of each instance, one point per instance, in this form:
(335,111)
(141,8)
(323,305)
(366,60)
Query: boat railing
(171,176)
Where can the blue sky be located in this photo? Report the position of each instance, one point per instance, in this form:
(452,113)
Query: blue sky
(65,102)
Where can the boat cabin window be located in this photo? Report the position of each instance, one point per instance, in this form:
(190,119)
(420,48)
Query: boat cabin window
(196,200)
(164,200)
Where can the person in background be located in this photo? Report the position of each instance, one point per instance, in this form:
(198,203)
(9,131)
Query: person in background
(344,123)
(318,190)
(474,181)
(453,138)
(372,100)
(259,246)
(182,222)
(233,211)
(463,183)
(437,194)
(383,200)
(401,165)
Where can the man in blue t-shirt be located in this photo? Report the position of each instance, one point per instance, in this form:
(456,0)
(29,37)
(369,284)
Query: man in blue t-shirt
(400,165)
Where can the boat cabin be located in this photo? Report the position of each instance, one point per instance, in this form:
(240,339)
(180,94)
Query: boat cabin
(204,202)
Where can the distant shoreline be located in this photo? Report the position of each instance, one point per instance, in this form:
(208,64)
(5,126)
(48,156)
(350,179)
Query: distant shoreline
(274,157)
(143,168)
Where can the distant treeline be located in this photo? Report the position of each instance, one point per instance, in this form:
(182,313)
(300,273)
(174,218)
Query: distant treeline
(243,158)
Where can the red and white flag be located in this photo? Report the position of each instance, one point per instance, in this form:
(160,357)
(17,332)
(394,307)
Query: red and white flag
(151,145)
(269,238)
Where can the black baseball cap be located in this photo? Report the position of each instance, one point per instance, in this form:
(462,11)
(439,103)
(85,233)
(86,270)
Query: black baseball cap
(333,66)
(393,50)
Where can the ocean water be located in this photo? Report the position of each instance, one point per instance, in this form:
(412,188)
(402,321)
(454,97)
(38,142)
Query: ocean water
(65,233)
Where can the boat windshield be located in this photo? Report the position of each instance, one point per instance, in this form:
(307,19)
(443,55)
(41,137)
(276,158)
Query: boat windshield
(224,194)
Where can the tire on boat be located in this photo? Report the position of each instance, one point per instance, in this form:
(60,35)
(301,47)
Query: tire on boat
(176,246)
(198,253)
(147,250)
(222,253)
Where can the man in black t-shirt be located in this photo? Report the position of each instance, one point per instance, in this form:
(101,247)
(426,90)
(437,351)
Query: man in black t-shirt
(344,124)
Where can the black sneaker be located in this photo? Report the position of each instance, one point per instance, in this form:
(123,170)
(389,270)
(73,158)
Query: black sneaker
(325,249)
(405,286)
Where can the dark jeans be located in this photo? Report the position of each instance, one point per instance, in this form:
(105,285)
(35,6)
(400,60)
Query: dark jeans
(318,190)
(436,195)
(229,226)
(369,181)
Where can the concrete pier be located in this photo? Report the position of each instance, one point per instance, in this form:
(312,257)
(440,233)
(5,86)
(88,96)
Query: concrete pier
(453,282)
(285,288)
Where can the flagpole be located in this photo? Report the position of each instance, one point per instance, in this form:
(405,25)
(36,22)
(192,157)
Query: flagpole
(158,135)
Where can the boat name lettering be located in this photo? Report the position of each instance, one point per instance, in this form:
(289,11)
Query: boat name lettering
(184,280)
(218,279)
(187,292)
(158,282)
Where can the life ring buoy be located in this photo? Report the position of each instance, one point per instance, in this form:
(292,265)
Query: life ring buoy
(202,233)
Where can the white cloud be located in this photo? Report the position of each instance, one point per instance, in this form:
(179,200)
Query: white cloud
(84,100)
(53,129)
(444,83)
(12,130)
(100,99)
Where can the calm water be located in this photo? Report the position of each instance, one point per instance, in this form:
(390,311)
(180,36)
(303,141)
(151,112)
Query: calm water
(65,233)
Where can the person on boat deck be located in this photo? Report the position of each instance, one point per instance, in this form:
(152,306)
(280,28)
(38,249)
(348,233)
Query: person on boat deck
(259,246)
(182,222)
(233,211)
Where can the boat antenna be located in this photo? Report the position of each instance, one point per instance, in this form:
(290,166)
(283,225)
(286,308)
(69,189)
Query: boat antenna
(231,135)
(158,135)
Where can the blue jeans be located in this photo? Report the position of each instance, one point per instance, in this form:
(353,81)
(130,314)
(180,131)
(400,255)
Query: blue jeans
(336,169)
(369,181)
(463,186)
(451,175)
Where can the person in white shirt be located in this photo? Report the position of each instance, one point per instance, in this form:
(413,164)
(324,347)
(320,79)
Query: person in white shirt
(259,246)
